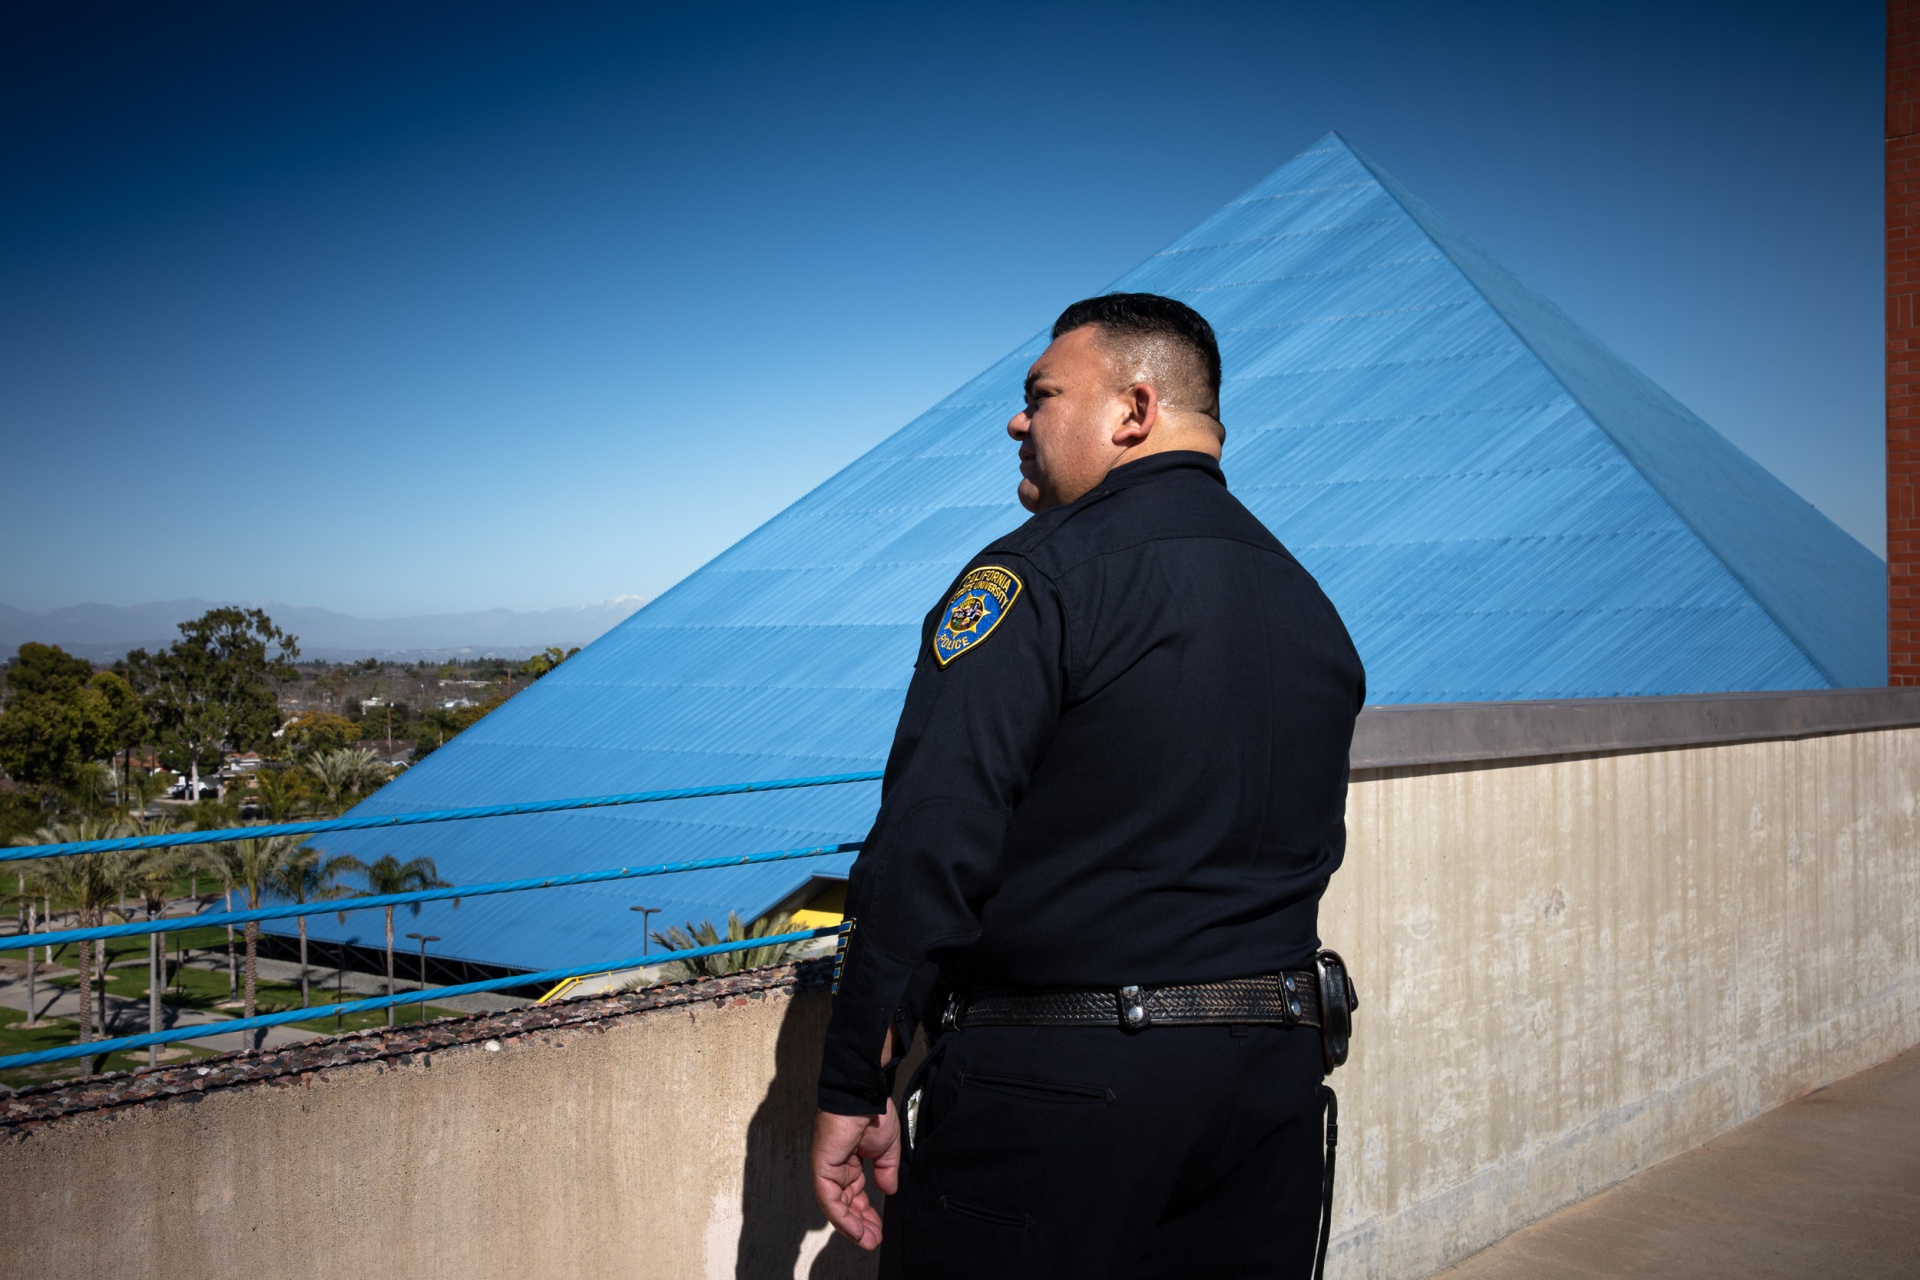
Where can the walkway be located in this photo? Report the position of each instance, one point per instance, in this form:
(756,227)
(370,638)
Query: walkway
(1828,1185)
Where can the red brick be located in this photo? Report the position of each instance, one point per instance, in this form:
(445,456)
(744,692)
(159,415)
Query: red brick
(1902,214)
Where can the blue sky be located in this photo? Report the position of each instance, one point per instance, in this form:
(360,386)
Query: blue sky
(420,308)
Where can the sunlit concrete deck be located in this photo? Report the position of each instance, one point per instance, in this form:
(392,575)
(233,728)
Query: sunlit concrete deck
(1828,1185)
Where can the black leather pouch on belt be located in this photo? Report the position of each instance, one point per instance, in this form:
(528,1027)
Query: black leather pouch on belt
(1338,1000)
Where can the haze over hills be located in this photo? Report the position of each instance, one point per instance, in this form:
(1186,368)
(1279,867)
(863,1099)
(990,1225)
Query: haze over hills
(104,632)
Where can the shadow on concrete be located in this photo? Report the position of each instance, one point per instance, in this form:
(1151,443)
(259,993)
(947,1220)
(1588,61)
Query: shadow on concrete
(783,1234)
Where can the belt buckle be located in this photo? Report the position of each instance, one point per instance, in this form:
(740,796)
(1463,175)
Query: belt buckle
(950,1016)
(1133,1009)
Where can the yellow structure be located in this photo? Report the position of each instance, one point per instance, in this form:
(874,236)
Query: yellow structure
(826,909)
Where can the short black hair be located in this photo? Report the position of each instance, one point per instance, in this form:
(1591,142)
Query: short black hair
(1140,321)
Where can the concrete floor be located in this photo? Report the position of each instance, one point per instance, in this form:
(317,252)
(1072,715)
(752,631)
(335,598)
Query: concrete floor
(1828,1185)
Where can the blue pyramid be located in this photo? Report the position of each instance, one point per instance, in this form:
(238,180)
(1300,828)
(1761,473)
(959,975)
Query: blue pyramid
(1500,507)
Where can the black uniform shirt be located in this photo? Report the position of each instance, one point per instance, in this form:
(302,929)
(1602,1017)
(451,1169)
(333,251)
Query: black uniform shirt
(1122,760)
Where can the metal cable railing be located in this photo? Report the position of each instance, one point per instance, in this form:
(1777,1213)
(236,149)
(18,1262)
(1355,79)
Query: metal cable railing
(373,822)
(93,1048)
(288,911)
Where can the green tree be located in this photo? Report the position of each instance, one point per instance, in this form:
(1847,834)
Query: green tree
(316,732)
(213,690)
(541,663)
(20,814)
(48,729)
(312,875)
(119,717)
(440,724)
(390,875)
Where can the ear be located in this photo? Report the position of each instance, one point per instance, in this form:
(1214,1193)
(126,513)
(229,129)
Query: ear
(1140,414)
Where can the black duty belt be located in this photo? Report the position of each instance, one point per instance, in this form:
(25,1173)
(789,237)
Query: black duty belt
(1290,999)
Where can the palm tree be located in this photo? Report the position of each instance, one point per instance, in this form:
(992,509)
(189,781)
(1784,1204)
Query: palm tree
(218,861)
(390,875)
(342,772)
(91,882)
(312,875)
(93,788)
(151,874)
(143,787)
(705,934)
(28,879)
(252,866)
(282,794)
(213,860)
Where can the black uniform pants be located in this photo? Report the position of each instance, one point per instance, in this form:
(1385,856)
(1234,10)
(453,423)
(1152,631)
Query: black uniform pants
(1065,1152)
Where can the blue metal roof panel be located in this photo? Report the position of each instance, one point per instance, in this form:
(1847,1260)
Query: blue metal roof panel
(1815,580)
(1500,508)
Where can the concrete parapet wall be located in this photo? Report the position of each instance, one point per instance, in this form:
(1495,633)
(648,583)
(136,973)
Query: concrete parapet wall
(1574,968)
(656,1136)
(1571,966)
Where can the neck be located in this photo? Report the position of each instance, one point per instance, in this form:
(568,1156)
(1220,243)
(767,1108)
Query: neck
(1191,433)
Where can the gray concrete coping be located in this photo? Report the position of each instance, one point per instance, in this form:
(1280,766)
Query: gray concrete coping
(1461,732)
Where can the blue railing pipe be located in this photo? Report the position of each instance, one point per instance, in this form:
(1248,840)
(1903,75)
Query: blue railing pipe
(372,822)
(201,1031)
(174,924)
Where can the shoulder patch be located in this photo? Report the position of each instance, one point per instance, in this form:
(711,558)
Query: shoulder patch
(983,598)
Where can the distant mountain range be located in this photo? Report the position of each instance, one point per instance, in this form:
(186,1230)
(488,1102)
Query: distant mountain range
(104,632)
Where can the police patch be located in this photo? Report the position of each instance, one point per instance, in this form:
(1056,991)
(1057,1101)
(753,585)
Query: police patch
(983,599)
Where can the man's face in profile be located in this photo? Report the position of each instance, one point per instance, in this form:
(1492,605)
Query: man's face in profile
(1073,407)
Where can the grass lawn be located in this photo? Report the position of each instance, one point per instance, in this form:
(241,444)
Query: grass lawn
(207,989)
(51,1033)
(132,953)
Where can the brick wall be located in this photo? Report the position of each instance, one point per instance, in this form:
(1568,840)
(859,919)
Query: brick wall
(1903,342)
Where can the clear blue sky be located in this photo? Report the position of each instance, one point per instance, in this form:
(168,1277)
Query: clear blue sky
(415,308)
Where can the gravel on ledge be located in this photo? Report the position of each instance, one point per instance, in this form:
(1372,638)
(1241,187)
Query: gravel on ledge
(34,1107)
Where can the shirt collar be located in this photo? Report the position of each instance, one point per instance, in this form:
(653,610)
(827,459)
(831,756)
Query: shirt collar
(1155,465)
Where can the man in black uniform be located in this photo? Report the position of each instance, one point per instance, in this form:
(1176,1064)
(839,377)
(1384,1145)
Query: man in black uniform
(1114,799)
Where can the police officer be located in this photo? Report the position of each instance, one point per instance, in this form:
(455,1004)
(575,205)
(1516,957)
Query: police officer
(1113,801)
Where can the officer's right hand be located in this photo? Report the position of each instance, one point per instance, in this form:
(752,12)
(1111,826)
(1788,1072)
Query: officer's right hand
(840,1143)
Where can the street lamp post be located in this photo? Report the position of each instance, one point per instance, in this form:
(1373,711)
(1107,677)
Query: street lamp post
(646,913)
(156,978)
(424,939)
(340,984)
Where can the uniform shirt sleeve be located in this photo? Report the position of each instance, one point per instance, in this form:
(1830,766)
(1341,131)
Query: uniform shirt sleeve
(971,733)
